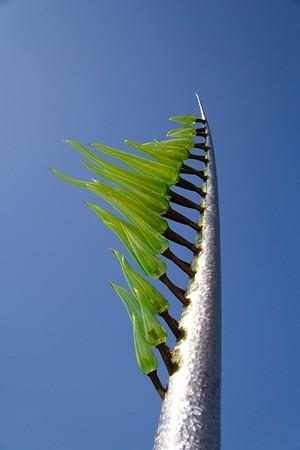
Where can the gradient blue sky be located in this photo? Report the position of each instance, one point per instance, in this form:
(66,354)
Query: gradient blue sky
(108,69)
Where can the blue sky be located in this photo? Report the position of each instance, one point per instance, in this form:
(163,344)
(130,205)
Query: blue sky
(109,69)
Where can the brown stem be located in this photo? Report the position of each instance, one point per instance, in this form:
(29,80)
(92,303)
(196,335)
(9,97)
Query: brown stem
(166,357)
(175,237)
(157,384)
(183,265)
(200,132)
(201,145)
(178,217)
(185,184)
(172,324)
(177,291)
(201,158)
(183,201)
(190,170)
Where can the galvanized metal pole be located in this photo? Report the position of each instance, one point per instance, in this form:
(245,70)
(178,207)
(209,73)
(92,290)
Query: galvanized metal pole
(190,416)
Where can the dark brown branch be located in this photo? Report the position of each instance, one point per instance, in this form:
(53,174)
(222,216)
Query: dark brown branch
(190,170)
(175,237)
(157,384)
(166,357)
(183,201)
(180,218)
(189,186)
(172,324)
(201,145)
(177,291)
(201,158)
(200,132)
(183,265)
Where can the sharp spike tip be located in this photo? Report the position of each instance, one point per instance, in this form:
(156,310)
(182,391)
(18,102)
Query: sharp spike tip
(202,115)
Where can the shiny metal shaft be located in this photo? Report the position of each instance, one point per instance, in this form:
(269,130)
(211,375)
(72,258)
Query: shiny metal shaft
(190,416)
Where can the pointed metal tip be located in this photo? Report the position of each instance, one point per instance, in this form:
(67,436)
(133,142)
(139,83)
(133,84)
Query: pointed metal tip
(202,115)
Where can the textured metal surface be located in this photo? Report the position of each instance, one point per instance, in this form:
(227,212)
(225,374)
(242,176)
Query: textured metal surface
(190,416)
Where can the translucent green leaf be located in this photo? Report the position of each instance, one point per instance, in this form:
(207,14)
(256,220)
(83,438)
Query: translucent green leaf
(134,210)
(135,242)
(164,172)
(152,223)
(153,182)
(147,236)
(167,156)
(149,326)
(147,294)
(182,132)
(129,301)
(151,200)
(178,151)
(144,355)
(126,177)
(155,334)
(153,239)
(182,144)
(188,119)
(83,150)
(73,181)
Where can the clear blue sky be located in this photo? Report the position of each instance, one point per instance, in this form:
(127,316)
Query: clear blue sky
(109,69)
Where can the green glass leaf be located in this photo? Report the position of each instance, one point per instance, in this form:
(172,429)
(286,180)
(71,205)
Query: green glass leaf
(79,183)
(152,224)
(135,241)
(178,151)
(144,355)
(147,294)
(126,177)
(182,132)
(167,156)
(134,210)
(139,230)
(151,200)
(188,119)
(164,172)
(131,304)
(182,144)
(83,150)
(152,182)
(155,334)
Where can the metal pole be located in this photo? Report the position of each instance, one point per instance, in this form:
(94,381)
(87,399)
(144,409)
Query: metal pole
(190,416)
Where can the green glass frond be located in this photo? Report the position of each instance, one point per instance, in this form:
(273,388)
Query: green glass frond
(182,133)
(188,120)
(164,172)
(131,304)
(155,334)
(144,355)
(141,247)
(167,156)
(138,188)
(159,202)
(147,294)
(73,181)
(146,329)
(181,144)
(124,202)
(132,208)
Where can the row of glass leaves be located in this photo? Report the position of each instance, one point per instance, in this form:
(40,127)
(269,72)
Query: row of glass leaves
(141,195)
